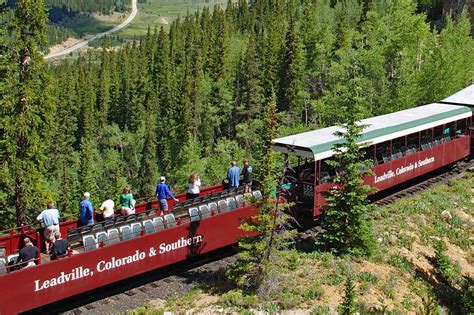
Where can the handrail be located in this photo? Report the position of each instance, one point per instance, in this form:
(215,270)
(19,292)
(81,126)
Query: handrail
(99,244)
(117,210)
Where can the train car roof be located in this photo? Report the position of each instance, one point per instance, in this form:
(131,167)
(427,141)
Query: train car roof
(463,97)
(318,143)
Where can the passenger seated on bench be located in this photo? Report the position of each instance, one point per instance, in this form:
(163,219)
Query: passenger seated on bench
(59,247)
(28,254)
(194,183)
(107,208)
(50,218)
(127,202)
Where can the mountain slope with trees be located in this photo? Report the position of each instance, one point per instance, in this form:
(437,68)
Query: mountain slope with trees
(192,99)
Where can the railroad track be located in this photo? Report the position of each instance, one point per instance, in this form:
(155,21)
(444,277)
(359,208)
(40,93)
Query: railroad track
(180,278)
(134,292)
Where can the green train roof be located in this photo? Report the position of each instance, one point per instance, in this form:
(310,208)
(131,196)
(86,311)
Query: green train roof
(318,143)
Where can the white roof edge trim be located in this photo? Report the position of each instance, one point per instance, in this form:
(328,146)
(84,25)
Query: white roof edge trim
(326,154)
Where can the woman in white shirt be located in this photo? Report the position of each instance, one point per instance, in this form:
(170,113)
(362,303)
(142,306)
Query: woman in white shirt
(194,183)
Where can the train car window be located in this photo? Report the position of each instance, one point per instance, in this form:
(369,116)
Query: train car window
(438,134)
(413,143)
(426,139)
(370,153)
(398,148)
(327,172)
(306,171)
(382,152)
(449,131)
(461,127)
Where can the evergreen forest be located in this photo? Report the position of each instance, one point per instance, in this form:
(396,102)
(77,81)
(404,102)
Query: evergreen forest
(192,98)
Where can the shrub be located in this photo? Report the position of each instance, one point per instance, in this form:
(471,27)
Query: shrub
(348,304)
(239,299)
(314,291)
(450,272)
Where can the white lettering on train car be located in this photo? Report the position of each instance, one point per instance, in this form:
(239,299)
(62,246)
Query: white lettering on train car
(114,262)
(182,242)
(75,274)
(117,262)
(403,169)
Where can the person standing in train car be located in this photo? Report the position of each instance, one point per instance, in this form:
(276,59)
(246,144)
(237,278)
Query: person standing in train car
(50,218)
(247,174)
(194,184)
(107,208)
(127,202)
(86,212)
(233,175)
(162,193)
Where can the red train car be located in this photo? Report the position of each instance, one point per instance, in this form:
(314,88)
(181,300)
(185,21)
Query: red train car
(109,252)
(403,145)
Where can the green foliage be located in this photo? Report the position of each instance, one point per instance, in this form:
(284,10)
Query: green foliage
(321,310)
(449,271)
(201,85)
(104,6)
(347,306)
(27,110)
(347,226)
(264,248)
(183,302)
(239,299)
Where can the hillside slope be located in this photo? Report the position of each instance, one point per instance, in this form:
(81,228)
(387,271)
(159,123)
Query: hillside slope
(405,275)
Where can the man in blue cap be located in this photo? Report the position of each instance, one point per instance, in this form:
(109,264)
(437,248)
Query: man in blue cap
(162,192)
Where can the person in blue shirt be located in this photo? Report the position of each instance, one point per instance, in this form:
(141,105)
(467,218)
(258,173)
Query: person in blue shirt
(50,218)
(162,193)
(233,175)
(86,212)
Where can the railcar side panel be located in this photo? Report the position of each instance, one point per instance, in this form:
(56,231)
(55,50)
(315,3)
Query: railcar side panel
(30,288)
(408,167)
(14,240)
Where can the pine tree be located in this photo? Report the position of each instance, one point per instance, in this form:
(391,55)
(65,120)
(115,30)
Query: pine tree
(148,173)
(27,119)
(452,50)
(251,98)
(162,78)
(63,169)
(260,254)
(292,72)
(347,227)
(103,95)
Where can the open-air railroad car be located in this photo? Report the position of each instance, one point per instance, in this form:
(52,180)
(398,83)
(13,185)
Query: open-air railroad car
(403,145)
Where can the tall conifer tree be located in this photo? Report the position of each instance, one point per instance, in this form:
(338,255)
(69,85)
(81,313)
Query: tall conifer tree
(292,74)
(28,108)
(347,226)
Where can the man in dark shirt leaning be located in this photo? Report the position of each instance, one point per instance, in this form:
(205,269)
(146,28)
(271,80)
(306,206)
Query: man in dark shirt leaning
(59,248)
(28,254)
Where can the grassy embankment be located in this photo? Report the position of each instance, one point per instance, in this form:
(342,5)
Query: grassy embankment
(405,276)
(162,12)
(151,13)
